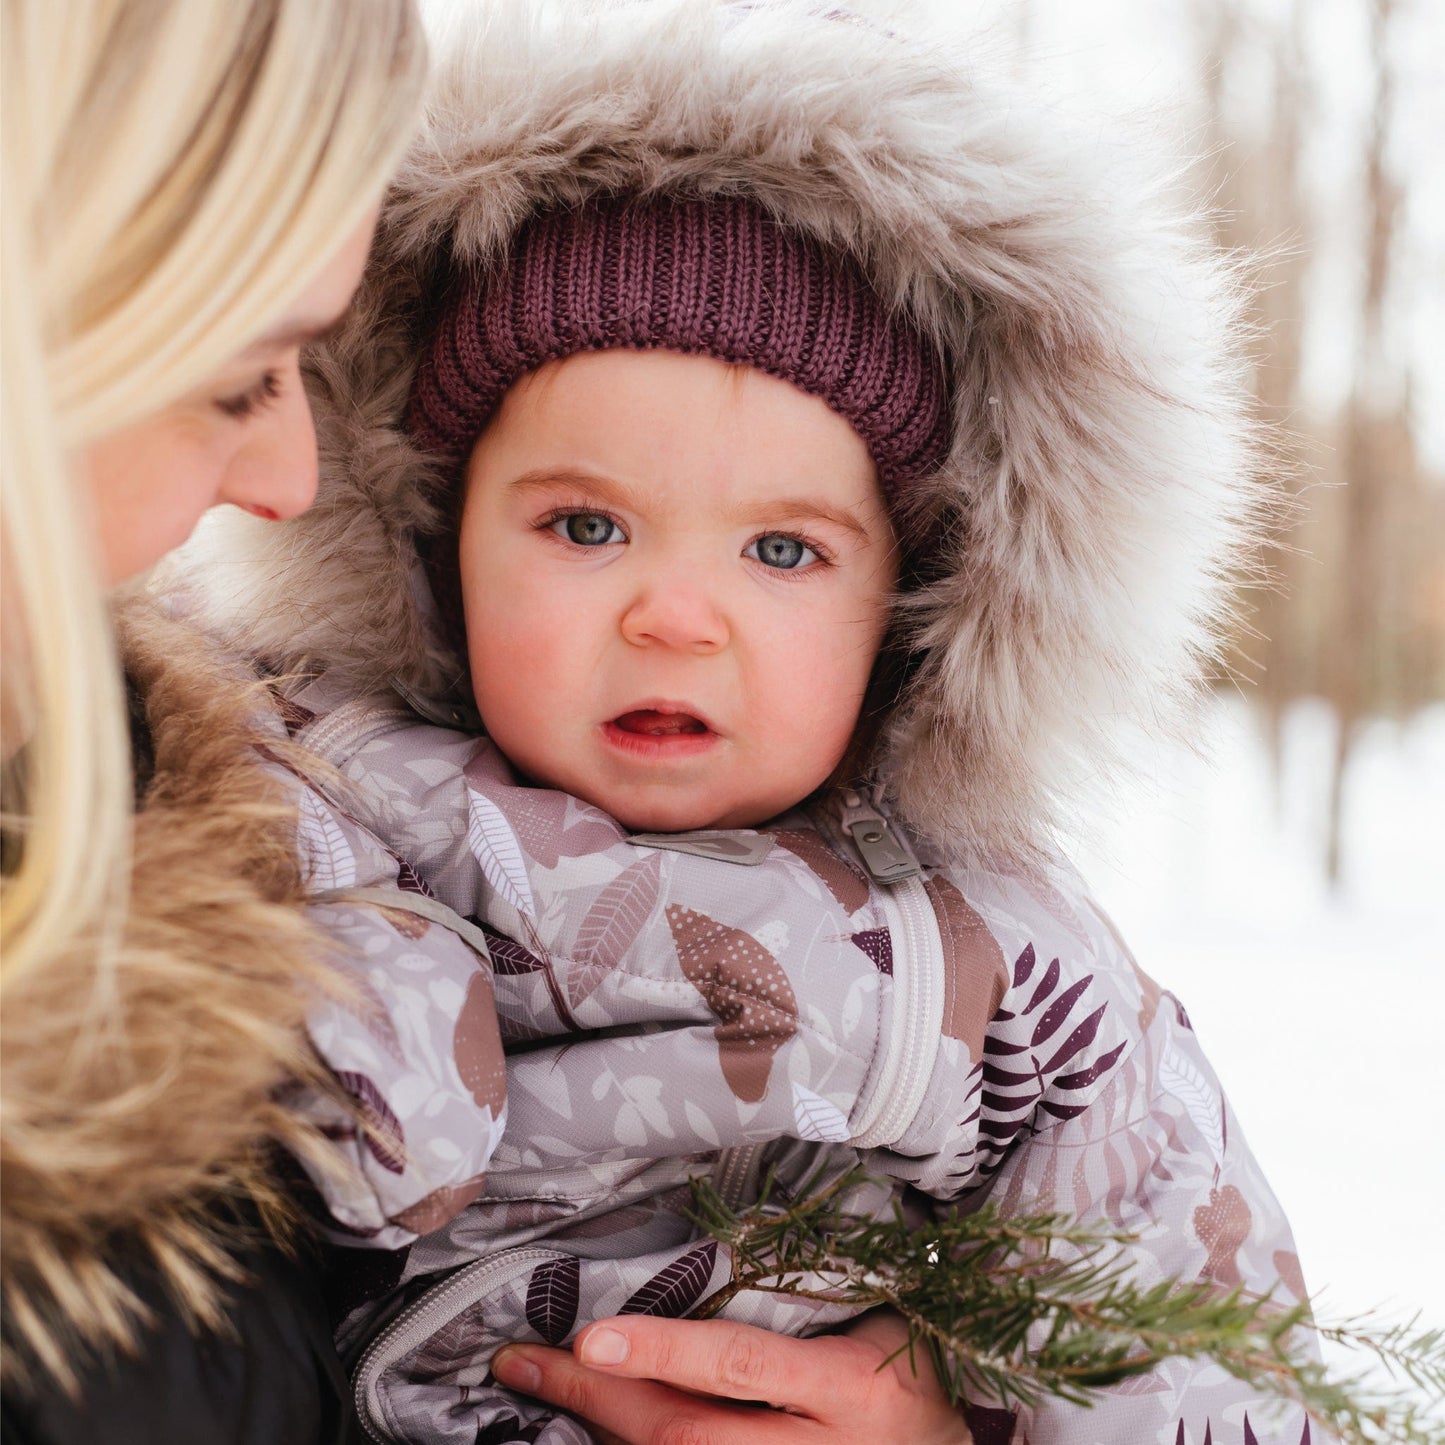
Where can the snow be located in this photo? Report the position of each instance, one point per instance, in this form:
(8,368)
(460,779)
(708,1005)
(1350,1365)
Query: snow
(1322,1012)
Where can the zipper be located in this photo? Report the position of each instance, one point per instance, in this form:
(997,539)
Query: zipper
(419,1320)
(734,1171)
(917,1023)
(336,735)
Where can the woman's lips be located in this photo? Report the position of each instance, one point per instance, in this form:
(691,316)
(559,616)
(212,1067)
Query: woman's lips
(656,733)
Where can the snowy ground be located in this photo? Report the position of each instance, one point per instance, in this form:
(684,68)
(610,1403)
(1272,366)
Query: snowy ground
(1324,1015)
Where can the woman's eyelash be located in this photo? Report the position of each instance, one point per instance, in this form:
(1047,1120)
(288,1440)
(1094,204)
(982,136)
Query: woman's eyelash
(250,401)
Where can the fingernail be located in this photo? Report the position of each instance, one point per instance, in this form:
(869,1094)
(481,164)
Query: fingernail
(604,1347)
(513,1368)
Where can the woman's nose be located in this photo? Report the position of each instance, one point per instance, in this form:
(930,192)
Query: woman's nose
(677,611)
(275,474)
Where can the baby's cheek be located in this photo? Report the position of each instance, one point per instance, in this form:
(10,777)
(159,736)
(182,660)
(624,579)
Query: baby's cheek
(818,700)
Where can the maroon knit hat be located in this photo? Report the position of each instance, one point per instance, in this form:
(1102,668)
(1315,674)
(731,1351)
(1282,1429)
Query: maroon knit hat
(714,277)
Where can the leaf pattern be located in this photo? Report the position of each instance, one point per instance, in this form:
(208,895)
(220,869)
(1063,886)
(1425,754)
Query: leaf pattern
(975,976)
(1081,1038)
(552,1294)
(446,1354)
(842,879)
(745,987)
(818,1118)
(1052,1019)
(439,1206)
(1047,984)
(621,909)
(1222,1226)
(537,814)
(877,943)
(582,979)
(507,955)
(409,880)
(1024,966)
(677,1288)
(989,1426)
(327,861)
(367,1005)
(1179,1077)
(477,1046)
(381,1128)
(495,847)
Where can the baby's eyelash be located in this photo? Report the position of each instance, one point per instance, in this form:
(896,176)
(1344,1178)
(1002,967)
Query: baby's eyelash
(825,555)
(250,401)
(573,509)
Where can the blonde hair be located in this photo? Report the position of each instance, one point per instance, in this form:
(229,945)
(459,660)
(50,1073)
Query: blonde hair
(174,171)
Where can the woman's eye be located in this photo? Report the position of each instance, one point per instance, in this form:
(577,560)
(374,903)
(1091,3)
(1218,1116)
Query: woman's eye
(588,529)
(249,402)
(779,550)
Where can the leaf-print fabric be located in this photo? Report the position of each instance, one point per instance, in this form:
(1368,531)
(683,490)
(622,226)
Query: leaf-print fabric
(667,1008)
(747,990)
(552,1295)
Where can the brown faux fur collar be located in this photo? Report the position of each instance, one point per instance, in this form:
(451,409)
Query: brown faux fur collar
(138,1101)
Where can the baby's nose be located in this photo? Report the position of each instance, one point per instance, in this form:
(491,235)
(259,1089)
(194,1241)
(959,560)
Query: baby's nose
(678,613)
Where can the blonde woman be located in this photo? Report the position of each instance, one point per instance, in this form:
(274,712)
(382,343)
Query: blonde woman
(190,190)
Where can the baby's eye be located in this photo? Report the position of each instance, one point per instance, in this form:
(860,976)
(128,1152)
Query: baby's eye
(779,550)
(588,529)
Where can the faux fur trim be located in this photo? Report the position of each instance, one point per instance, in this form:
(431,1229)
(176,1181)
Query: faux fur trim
(139,1099)
(1103,477)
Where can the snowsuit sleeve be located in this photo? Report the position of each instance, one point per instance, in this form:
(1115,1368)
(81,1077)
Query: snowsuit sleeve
(1161,1154)
(411,1036)
(1090,1095)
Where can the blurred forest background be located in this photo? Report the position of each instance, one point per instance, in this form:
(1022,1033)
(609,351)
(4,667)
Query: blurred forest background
(1322,123)
(1358,615)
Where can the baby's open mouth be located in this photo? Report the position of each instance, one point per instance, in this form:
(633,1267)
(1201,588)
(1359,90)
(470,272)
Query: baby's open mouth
(647,723)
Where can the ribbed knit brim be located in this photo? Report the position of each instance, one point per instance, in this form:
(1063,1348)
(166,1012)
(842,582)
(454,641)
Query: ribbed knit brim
(712,277)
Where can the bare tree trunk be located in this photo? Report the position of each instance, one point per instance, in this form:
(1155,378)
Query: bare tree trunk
(1369,474)
(1260,203)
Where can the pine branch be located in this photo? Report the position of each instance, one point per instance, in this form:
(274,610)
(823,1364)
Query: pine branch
(1019,1308)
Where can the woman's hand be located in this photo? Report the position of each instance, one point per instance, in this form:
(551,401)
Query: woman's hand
(643,1381)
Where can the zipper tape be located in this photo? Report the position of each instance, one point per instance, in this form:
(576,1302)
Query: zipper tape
(917,1022)
(422,1318)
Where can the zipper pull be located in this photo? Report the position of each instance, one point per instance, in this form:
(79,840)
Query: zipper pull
(882,852)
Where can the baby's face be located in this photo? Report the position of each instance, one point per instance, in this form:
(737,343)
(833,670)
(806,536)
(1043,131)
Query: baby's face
(676,577)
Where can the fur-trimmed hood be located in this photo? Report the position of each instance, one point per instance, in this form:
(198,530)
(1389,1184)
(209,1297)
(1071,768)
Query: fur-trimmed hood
(1102,478)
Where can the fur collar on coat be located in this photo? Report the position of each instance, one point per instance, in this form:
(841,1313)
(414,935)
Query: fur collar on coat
(143,1098)
(1102,479)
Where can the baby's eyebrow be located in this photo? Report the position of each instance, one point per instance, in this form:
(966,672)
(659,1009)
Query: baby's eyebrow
(793,511)
(542,479)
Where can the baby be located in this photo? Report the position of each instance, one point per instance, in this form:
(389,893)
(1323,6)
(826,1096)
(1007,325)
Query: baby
(756,851)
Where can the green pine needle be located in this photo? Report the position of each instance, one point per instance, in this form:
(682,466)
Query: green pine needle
(1018,1308)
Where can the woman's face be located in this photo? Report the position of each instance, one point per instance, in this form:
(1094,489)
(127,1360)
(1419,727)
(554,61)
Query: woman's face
(245,437)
